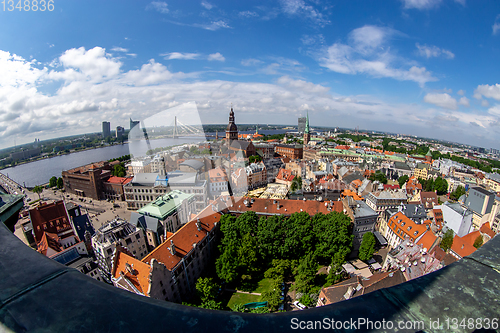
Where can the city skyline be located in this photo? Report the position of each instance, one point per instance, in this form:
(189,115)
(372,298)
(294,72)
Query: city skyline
(382,68)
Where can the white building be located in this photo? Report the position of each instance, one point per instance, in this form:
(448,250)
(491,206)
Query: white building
(117,232)
(456,218)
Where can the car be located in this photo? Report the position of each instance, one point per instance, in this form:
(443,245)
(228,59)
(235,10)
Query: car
(299,305)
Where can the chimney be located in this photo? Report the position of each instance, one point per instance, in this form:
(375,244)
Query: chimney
(172,247)
(198,225)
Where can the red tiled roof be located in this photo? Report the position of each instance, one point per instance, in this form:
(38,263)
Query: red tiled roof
(428,240)
(342,147)
(399,224)
(51,218)
(285,175)
(356,183)
(119,180)
(349,193)
(48,240)
(184,239)
(485,229)
(286,207)
(391,187)
(463,246)
(217,175)
(136,272)
(428,199)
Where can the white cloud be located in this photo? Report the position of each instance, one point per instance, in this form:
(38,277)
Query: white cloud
(180,56)
(119,49)
(80,103)
(17,71)
(159,6)
(150,73)
(302,85)
(421,4)
(494,110)
(216,57)
(367,53)
(300,8)
(441,100)
(488,91)
(485,103)
(248,13)
(464,101)
(496,25)
(433,51)
(251,62)
(95,63)
(461,92)
(207,5)
(216,25)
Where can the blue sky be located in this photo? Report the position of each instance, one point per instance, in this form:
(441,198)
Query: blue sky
(422,67)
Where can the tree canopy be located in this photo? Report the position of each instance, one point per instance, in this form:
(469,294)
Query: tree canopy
(53,181)
(367,247)
(378,176)
(447,240)
(402,180)
(250,243)
(38,190)
(455,195)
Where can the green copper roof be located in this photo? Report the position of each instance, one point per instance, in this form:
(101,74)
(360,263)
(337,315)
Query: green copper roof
(165,205)
(306,130)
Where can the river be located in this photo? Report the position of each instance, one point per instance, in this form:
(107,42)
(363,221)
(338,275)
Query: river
(39,172)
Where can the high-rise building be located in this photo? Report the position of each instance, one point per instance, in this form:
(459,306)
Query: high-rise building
(106,129)
(133,123)
(120,131)
(302,124)
(307,136)
(232,129)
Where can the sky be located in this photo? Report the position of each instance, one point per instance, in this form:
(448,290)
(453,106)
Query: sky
(421,67)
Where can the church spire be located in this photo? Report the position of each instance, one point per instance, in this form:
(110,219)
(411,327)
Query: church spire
(306,130)
(307,136)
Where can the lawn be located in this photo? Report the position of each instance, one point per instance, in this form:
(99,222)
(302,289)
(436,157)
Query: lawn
(239,298)
(263,285)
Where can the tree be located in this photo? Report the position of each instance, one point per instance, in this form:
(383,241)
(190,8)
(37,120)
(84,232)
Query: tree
(270,235)
(38,190)
(478,242)
(212,304)
(272,296)
(60,183)
(455,195)
(334,275)
(238,308)
(207,289)
(118,171)
(254,159)
(429,185)
(306,272)
(402,180)
(441,186)
(279,270)
(378,176)
(53,181)
(367,247)
(296,184)
(447,240)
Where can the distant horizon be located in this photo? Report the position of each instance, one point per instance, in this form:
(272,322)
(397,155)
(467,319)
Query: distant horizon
(361,131)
